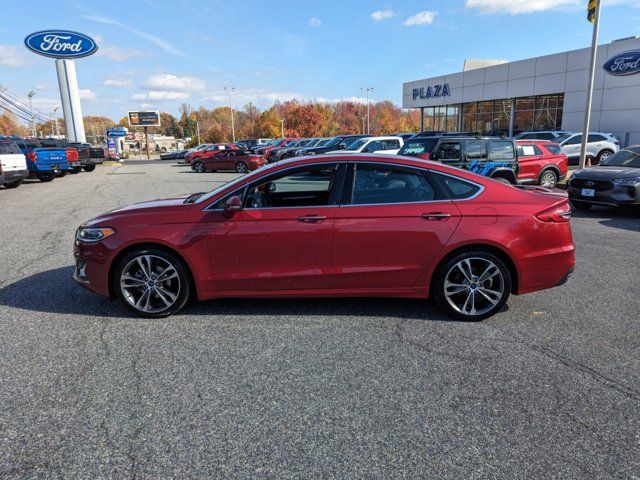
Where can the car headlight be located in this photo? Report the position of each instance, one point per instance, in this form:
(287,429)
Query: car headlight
(92,235)
(626,182)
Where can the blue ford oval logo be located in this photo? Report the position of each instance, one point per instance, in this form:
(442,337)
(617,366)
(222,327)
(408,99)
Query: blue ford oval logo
(61,44)
(625,63)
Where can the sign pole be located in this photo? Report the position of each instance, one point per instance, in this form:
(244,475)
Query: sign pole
(146,139)
(592,74)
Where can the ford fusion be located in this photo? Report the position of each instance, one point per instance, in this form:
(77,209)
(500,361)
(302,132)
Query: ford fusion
(614,182)
(334,226)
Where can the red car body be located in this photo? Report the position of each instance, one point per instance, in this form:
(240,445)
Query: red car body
(539,157)
(239,160)
(281,143)
(210,151)
(391,250)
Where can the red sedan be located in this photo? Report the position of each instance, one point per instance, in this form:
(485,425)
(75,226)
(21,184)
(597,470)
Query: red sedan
(541,162)
(334,225)
(209,151)
(241,161)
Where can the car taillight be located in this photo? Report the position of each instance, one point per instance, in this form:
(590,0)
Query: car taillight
(32,156)
(556,214)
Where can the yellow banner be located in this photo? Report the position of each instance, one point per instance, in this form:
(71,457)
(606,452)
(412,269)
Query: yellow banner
(591,11)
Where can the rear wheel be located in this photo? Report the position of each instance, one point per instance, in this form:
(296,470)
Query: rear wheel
(241,167)
(198,167)
(152,283)
(46,177)
(472,285)
(548,179)
(13,184)
(604,154)
(580,205)
(504,180)
(61,174)
(89,168)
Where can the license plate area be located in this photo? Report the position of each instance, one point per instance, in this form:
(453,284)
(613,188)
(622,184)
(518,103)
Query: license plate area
(588,192)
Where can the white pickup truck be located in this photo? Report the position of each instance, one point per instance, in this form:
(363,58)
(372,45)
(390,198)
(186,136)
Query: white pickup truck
(13,165)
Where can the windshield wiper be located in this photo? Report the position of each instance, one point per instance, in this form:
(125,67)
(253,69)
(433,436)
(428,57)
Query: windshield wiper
(193,197)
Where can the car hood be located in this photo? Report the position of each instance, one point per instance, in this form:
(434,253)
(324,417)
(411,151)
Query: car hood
(607,173)
(151,207)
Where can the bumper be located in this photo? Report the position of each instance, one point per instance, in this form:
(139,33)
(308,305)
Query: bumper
(92,267)
(615,197)
(86,162)
(546,269)
(11,176)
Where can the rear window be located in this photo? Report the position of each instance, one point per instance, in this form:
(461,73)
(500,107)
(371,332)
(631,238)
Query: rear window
(418,146)
(456,188)
(9,148)
(553,148)
(502,150)
(528,150)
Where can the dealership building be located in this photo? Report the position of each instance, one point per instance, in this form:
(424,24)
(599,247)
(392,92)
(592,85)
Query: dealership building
(542,93)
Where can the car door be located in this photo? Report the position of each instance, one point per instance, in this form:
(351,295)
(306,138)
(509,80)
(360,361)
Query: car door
(282,238)
(529,161)
(390,227)
(571,147)
(595,143)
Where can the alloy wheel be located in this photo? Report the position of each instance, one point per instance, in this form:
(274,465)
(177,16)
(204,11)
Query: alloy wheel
(548,179)
(199,167)
(474,286)
(150,284)
(604,156)
(241,167)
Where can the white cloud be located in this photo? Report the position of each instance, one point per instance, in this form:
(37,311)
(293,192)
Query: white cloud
(119,54)
(118,83)
(315,22)
(422,18)
(86,94)
(382,14)
(175,83)
(515,7)
(161,95)
(11,56)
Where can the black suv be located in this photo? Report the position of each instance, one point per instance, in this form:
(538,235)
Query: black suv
(488,156)
(336,143)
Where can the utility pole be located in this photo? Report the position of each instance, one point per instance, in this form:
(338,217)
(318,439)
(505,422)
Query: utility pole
(367,91)
(363,119)
(198,130)
(282,127)
(592,74)
(33,119)
(230,91)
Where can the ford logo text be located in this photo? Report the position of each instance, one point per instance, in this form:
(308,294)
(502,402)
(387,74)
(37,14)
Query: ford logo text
(61,44)
(625,63)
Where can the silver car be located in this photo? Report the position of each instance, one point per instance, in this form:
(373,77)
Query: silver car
(599,145)
(542,135)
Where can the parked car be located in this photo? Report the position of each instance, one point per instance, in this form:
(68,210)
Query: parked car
(293,151)
(288,151)
(316,226)
(275,143)
(208,151)
(552,135)
(242,161)
(614,182)
(444,134)
(541,162)
(13,165)
(173,155)
(43,163)
(339,142)
(599,146)
(254,142)
(72,153)
(276,150)
(89,155)
(420,147)
(487,156)
(386,145)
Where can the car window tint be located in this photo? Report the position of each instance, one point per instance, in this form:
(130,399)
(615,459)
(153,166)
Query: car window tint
(391,144)
(449,151)
(528,150)
(476,150)
(384,184)
(374,146)
(8,148)
(595,138)
(456,188)
(546,136)
(502,150)
(303,188)
(553,148)
(574,140)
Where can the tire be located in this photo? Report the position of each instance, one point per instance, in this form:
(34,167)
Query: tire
(89,168)
(603,155)
(474,300)
(13,184)
(141,292)
(75,170)
(63,173)
(580,205)
(46,177)
(241,167)
(548,179)
(199,167)
(503,180)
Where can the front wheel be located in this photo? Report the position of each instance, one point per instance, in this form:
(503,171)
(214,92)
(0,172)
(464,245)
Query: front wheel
(241,167)
(548,179)
(89,168)
(13,184)
(61,174)
(198,167)
(75,170)
(152,283)
(46,177)
(472,285)
(603,155)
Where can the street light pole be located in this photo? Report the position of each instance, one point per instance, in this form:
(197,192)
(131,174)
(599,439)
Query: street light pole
(367,91)
(282,127)
(198,130)
(56,120)
(233,127)
(33,119)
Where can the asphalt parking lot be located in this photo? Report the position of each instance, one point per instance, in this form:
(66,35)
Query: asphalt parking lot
(351,388)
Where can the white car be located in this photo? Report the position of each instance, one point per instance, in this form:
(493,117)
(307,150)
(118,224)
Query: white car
(542,135)
(13,165)
(386,145)
(599,145)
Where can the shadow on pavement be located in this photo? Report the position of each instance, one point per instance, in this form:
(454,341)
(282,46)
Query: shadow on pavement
(625,219)
(54,291)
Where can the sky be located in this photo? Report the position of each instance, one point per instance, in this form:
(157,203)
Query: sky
(157,54)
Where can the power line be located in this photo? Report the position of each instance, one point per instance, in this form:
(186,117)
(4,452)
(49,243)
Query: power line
(26,111)
(7,93)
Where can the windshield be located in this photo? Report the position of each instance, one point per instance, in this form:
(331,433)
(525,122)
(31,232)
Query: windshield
(238,180)
(357,145)
(561,138)
(322,142)
(334,141)
(623,158)
(417,146)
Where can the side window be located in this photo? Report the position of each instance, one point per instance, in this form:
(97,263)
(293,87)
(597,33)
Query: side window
(592,138)
(379,184)
(456,188)
(546,136)
(374,146)
(502,150)
(391,144)
(448,151)
(476,150)
(528,150)
(574,140)
(303,188)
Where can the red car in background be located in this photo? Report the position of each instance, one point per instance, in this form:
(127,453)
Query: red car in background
(541,162)
(241,161)
(277,143)
(334,226)
(210,151)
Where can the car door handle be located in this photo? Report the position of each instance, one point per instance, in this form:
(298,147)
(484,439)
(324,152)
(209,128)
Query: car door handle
(435,216)
(311,218)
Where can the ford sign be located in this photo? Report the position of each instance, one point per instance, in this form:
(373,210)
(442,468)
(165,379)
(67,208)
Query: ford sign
(625,63)
(61,44)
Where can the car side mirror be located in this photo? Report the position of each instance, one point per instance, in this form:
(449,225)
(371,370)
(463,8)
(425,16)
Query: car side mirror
(232,205)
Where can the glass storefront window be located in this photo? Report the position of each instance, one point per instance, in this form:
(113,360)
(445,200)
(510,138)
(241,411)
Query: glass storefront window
(523,121)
